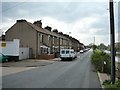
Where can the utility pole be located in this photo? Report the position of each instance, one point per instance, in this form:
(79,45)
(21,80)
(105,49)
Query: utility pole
(94,40)
(112,37)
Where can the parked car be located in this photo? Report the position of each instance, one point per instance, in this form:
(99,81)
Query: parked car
(81,51)
(67,54)
(3,58)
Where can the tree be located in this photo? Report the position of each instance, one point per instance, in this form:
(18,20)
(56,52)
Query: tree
(102,46)
(94,47)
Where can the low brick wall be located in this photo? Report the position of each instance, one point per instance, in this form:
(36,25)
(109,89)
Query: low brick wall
(46,56)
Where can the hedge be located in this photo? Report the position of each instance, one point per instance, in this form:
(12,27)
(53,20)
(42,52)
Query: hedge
(98,58)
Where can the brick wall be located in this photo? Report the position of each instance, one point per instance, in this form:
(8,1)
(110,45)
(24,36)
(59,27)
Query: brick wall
(46,56)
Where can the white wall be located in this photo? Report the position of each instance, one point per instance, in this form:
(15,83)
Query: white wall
(23,53)
(11,48)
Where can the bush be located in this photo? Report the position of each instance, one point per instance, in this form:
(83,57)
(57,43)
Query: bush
(109,86)
(98,58)
(117,83)
(106,82)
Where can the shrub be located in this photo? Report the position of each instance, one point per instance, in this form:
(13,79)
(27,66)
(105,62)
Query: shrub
(109,86)
(106,82)
(117,83)
(98,58)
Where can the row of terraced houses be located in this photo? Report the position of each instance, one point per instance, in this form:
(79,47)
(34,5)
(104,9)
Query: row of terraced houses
(44,43)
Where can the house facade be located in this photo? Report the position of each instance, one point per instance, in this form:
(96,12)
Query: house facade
(42,42)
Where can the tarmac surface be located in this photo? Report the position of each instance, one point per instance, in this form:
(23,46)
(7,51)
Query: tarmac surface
(78,73)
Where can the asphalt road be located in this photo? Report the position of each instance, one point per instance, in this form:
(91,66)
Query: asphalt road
(78,73)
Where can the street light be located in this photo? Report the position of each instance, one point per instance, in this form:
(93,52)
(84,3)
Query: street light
(94,40)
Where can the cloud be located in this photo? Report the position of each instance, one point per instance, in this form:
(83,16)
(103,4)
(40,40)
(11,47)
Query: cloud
(23,12)
(55,24)
(83,19)
(56,1)
(84,25)
(65,11)
(8,22)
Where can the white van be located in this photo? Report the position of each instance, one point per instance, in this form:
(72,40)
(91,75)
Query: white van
(67,54)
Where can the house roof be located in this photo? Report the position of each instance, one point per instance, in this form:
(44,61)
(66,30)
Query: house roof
(36,28)
(45,31)
(42,30)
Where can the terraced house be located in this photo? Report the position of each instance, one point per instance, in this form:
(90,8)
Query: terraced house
(42,42)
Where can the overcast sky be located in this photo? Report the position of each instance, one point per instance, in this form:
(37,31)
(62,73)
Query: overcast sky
(85,20)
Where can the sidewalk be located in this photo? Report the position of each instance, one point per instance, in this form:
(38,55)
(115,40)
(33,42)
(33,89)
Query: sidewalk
(24,65)
(29,63)
(102,78)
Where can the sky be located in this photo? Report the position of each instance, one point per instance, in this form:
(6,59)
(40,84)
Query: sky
(85,20)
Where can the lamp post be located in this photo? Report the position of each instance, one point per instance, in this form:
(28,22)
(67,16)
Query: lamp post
(94,40)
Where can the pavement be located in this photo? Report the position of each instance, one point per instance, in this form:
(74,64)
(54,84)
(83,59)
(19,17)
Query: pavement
(9,68)
(102,78)
(29,63)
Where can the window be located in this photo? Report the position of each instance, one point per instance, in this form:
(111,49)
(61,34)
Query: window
(44,50)
(3,44)
(49,39)
(57,41)
(53,40)
(41,50)
(67,52)
(63,52)
(41,38)
(60,41)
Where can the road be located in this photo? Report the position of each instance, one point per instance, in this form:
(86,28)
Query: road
(78,73)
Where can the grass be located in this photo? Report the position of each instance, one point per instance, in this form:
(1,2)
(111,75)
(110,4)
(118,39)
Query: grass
(108,86)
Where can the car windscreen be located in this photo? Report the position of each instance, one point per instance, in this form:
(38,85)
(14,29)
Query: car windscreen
(72,52)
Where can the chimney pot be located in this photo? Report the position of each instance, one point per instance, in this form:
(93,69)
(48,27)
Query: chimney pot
(38,23)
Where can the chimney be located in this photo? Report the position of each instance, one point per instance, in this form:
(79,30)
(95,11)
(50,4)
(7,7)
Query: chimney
(48,28)
(22,20)
(55,30)
(38,23)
